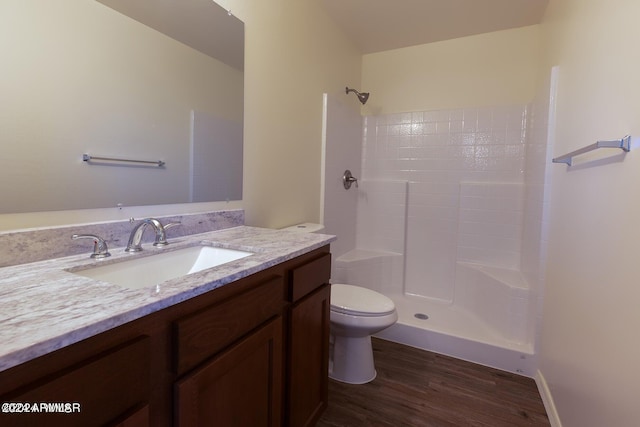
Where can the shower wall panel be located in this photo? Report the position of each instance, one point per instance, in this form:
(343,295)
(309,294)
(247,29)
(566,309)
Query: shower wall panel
(342,150)
(435,151)
(490,223)
(538,167)
(431,240)
(381,215)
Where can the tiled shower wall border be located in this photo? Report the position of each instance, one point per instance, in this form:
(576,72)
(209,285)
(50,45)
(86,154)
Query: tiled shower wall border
(24,246)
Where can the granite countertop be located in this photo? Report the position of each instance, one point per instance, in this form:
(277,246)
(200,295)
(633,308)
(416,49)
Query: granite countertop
(44,307)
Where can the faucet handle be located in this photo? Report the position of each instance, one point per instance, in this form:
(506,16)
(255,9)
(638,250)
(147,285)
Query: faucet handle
(348,179)
(161,235)
(100,249)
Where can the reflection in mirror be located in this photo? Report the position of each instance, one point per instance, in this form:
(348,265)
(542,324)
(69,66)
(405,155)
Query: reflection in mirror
(80,77)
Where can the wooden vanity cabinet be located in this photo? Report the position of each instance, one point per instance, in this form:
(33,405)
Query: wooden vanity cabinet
(106,389)
(250,353)
(308,346)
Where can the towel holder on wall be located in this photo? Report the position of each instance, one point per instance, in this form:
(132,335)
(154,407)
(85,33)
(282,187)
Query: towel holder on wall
(87,158)
(624,144)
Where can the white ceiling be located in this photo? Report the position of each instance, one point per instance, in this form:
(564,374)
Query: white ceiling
(378,25)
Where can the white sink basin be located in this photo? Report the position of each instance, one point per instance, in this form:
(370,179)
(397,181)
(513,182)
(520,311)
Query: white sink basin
(154,269)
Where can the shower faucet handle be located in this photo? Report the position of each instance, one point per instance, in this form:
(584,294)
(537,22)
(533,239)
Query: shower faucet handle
(348,179)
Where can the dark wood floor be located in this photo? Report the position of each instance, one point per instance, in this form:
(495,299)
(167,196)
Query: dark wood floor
(419,388)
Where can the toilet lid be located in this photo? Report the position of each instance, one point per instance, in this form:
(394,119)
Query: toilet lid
(349,299)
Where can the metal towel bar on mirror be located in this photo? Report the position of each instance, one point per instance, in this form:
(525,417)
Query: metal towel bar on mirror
(624,144)
(87,158)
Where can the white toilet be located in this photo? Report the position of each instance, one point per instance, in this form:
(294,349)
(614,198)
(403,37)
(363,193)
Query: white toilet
(356,314)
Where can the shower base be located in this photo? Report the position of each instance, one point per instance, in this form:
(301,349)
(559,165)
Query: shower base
(451,330)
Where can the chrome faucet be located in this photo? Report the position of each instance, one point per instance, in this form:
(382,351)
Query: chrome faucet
(135,239)
(100,249)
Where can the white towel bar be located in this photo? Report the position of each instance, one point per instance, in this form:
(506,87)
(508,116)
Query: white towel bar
(87,158)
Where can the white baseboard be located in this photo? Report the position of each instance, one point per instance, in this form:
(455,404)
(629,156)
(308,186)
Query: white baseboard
(547,399)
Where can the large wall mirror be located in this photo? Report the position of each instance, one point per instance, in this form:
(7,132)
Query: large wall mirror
(119,79)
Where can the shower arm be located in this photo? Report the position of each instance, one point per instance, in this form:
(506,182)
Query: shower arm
(362,96)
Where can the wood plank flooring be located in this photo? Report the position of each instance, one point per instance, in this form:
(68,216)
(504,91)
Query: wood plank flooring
(423,389)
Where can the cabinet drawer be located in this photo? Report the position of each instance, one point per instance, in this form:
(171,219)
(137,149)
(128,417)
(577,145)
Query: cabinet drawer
(98,390)
(203,334)
(310,276)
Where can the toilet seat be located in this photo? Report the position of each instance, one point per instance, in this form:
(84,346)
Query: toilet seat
(359,301)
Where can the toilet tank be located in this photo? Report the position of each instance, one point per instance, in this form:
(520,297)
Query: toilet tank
(305,227)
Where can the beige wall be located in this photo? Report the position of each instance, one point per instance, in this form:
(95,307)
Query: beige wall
(294,53)
(589,345)
(498,68)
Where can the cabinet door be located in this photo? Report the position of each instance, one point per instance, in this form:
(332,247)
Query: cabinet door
(91,393)
(240,387)
(309,358)
(138,417)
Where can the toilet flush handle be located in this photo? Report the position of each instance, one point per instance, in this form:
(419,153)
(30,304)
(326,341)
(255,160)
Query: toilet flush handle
(348,179)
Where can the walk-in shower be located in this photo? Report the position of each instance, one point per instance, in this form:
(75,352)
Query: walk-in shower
(448,224)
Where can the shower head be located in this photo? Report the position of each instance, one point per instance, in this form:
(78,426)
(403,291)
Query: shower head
(361,96)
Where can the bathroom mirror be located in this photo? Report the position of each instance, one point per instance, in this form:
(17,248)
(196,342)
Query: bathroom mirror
(119,79)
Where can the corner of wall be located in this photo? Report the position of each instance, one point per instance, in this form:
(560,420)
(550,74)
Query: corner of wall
(547,399)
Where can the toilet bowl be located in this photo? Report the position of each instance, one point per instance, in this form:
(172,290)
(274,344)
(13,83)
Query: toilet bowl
(356,313)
